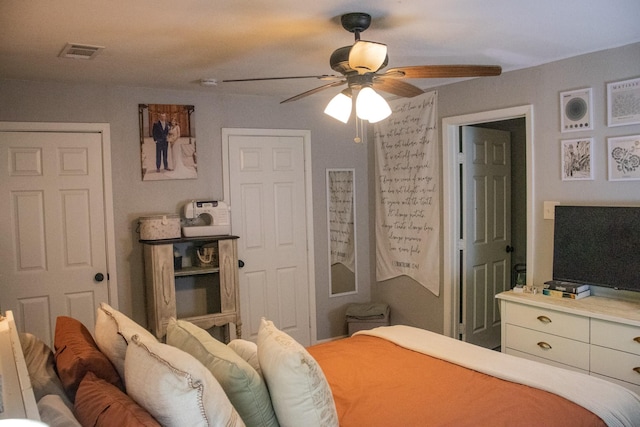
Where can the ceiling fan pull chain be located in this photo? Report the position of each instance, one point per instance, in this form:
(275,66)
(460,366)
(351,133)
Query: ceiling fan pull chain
(357,139)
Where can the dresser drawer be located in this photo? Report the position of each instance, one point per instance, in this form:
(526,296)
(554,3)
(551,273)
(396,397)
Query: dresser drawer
(548,321)
(552,347)
(545,361)
(615,335)
(615,364)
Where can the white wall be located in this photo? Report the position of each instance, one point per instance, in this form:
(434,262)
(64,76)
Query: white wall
(540,87)
(331,141)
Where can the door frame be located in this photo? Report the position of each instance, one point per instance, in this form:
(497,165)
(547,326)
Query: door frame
(452,203)
(105,132)
(306,137)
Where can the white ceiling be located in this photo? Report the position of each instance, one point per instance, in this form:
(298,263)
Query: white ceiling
(175,44)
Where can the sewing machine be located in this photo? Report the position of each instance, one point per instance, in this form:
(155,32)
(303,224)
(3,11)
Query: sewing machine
(206,218)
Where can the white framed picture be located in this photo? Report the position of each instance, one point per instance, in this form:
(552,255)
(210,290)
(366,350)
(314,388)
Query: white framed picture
(623,103)
(623,156)
(577,159)
(576,113)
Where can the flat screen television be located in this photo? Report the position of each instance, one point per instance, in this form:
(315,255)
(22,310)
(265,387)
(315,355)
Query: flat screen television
(597,245)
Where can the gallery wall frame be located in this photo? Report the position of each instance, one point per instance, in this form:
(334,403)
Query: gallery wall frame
(623,102)
(623,157)
(576,110)
(577,159)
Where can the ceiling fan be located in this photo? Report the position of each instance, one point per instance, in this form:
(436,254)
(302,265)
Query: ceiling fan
(360,65)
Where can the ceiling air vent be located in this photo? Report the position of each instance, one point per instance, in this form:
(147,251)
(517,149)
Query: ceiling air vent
(80,51)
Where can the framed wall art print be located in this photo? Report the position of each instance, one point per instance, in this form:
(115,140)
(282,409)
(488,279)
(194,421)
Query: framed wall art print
(577,157)
(576,113)
(623,154)
(623,103)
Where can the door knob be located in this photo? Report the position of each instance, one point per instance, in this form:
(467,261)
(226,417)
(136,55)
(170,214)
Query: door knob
(99,277)
(509,248)
(240,263)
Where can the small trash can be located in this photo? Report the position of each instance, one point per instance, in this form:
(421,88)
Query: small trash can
(366,316)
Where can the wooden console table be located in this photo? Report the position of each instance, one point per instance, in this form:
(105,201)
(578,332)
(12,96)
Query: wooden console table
(161,278)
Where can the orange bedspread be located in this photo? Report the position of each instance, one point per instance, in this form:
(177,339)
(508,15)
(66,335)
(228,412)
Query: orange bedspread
(378,383)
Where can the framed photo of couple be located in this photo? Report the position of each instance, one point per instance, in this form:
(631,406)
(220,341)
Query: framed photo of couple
(167,142)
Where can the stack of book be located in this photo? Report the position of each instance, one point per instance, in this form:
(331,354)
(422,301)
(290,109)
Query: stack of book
(561,289)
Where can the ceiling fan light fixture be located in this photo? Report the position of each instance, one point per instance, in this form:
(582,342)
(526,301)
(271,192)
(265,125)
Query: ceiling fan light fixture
(340,106)
(367,57)
(371,106)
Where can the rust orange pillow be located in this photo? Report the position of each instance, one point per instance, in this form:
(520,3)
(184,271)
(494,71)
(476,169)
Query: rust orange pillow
(101,404)
(76,353)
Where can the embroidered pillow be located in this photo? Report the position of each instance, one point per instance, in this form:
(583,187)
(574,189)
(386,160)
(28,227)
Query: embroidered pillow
(299,390)
(113,331)
(174,387)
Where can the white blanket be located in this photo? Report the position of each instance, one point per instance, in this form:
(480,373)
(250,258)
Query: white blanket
(616,405)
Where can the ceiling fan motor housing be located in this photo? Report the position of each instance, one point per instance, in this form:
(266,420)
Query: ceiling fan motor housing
(358,81)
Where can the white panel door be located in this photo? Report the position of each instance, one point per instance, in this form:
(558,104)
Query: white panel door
(268,212)
(487,232)
(52,219)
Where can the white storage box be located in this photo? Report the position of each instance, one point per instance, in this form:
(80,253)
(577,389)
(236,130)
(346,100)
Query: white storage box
(159,227)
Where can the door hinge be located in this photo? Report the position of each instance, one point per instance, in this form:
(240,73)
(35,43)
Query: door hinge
(460,329)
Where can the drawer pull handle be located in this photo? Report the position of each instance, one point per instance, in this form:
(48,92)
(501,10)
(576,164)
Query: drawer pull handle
(545,319)
(637,339)
(545,346)
(637,370)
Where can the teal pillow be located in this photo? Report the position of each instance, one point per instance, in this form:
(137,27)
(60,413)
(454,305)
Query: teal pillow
(244,387)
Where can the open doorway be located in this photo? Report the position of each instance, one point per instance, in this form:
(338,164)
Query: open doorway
(517,120)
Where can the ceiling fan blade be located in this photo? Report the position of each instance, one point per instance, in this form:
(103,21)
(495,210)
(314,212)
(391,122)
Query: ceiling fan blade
(321,77)
(316,90)
(367,57)
(444,71)
(396,87)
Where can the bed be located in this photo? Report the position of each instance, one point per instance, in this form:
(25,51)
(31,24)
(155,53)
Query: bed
(400,375)
(388,376)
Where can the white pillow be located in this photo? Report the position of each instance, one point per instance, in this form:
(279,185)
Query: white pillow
(244,387)
(248,350)
(41,366)
(112,333)
(299,390)
(175,388)
(54,412)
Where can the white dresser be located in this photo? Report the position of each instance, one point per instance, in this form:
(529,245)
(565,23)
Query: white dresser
(595,335)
